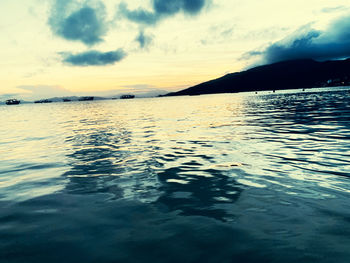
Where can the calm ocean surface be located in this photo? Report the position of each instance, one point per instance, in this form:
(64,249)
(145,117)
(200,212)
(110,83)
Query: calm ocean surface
(214,178)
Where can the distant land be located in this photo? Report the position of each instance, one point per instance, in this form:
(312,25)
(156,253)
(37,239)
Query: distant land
(149,94)
(137,94)
(293,74)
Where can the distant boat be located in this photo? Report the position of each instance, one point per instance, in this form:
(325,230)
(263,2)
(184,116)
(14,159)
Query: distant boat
(86,98)
(43,101)
(13,102)
(127,96)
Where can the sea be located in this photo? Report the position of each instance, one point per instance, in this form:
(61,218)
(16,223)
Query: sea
(221,178)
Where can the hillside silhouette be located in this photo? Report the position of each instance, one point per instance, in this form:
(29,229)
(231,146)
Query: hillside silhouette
(293,74)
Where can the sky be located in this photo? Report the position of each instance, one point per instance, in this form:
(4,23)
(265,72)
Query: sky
(104,47)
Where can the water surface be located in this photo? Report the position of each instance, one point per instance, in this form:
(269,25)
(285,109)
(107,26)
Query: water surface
(216,178)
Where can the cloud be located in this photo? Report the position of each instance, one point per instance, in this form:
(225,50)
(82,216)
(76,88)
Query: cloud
(143,39)
(165,7)
(139,15)
(162,9)
(333,9)
(332,43)
(218,33)
(79,22)
(93,58)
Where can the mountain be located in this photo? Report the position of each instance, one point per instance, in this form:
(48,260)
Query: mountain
(293,74)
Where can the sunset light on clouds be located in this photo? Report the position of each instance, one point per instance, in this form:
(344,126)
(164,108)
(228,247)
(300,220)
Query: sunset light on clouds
(104,47)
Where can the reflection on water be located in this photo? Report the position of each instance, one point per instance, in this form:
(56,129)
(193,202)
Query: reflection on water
(218,178)
(94,162)
(104,160)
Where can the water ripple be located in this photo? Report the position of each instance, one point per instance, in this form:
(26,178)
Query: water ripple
(261,173)
(270,140)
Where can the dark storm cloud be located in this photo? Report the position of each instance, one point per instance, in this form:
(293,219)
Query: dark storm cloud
(143,39)
(94,58)
(193,6)
(332,43)
(84,22)
(300,47)
(162,9)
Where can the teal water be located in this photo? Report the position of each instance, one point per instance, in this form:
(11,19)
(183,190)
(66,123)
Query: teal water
(216,178)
